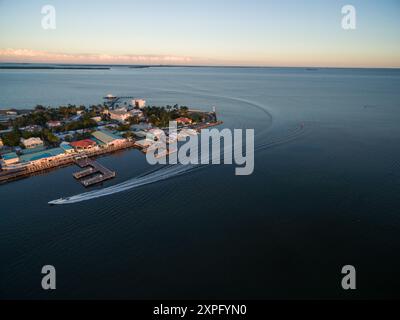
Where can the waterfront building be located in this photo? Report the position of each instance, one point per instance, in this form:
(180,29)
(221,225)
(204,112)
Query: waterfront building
(84,144)
(108,138)
(67,147)
(9,159)
(183,120)
(32,142)
(43,156)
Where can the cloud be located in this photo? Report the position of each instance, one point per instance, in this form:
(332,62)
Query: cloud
(28,55)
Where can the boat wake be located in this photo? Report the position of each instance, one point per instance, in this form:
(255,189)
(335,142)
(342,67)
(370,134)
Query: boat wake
(171,171)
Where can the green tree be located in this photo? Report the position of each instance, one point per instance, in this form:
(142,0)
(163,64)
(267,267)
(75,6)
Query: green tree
(11,138)
(123,127)
(128,135)
(50,137)
(133,120)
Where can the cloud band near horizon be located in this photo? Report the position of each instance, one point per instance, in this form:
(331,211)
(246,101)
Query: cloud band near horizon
(28,55)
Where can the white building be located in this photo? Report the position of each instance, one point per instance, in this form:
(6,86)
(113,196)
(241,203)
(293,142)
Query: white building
(140,103)
(120,114)
(32,142)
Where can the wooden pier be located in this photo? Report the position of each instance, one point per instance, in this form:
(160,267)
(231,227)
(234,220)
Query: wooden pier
(93,174)
(84,173)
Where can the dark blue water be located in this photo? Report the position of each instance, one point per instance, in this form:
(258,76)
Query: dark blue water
(324,193)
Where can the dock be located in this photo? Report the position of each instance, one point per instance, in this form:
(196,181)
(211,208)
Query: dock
(93,173)
(30,169)
(84,173)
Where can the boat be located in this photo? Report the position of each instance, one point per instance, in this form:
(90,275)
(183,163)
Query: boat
(58,201)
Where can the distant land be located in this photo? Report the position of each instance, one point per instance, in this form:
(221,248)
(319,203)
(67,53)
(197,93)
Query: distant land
(55,66)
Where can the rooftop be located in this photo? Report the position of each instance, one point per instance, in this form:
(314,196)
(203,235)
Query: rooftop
(33,150)
(120,111)
(66,146)
(105,136)
(184,120)
(41,154)
(9,156)
(85,143)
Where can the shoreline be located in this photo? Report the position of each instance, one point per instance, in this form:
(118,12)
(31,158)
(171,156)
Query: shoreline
(29,170)
(52,68)
(27,65)
(16,174)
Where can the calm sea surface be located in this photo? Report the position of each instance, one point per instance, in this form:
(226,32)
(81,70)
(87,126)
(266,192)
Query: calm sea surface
(324,193)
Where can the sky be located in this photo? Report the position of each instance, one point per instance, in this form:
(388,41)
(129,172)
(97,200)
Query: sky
(202,32)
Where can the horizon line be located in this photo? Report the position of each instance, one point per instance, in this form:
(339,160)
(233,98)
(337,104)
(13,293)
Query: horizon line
(193,66)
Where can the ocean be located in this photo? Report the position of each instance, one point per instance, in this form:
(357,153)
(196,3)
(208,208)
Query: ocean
(324,192)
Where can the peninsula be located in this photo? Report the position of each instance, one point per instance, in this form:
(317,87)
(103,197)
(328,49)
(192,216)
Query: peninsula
(36,140)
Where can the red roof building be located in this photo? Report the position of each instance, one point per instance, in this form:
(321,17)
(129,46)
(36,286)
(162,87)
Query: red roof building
(83,144)
(184,120)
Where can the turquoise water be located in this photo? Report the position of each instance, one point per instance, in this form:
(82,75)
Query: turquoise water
(324,192)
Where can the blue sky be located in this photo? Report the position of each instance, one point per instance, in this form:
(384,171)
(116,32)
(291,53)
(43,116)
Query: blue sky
(235,32)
